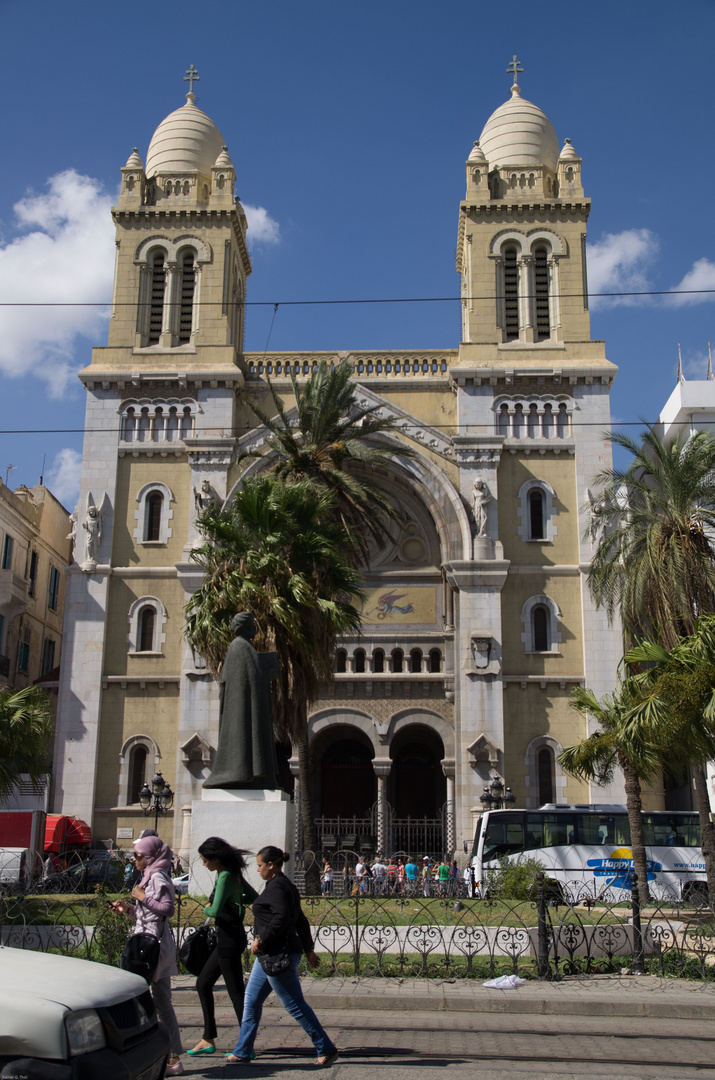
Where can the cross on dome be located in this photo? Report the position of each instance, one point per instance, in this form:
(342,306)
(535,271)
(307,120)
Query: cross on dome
(193,76)
(513,68)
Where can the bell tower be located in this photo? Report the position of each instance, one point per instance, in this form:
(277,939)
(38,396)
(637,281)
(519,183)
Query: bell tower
(522,231)
(182,260)
(159,445)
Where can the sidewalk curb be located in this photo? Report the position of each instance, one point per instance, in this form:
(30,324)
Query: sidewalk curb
(670,1001)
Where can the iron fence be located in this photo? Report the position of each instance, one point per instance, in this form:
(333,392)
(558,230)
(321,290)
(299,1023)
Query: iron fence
(538,936)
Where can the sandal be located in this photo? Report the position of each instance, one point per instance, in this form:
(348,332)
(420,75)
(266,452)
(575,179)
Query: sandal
(326,1060)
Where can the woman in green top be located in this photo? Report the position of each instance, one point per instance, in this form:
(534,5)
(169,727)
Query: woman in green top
(227,905)
(443,875)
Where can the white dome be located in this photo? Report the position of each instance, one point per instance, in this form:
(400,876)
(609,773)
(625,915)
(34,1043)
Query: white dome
(568,153)
(519,133)
(186,141)
(477,154)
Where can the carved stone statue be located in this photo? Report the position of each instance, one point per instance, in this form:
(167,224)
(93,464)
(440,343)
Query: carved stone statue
(205,497)
(245,757)
(92,526)
(72,535)
(480,497)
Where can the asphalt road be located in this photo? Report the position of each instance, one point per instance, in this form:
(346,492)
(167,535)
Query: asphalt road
(387,1045)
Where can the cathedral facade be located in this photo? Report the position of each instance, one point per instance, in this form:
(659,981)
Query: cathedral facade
(477,621)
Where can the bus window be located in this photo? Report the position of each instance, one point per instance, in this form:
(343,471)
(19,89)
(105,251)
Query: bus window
(477,834)
(676,830)
(504,836)
(545,830)
(603,830)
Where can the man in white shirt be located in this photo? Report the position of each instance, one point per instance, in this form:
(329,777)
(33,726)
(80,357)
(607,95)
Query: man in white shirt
(361,874)
(378,872)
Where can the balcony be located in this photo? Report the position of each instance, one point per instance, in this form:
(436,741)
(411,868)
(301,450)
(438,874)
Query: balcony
(13,594)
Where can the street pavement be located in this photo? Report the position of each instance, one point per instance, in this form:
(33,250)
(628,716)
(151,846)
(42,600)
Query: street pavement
(608,1026)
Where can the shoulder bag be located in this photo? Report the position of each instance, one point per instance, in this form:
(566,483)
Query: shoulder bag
(197,947)
(140,954)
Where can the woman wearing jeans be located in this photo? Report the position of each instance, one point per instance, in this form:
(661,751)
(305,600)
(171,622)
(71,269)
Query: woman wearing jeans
(280,927)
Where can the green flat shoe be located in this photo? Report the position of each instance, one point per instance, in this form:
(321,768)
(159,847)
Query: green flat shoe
(203,1050)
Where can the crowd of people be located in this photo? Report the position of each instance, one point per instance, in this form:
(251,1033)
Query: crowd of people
(400,875)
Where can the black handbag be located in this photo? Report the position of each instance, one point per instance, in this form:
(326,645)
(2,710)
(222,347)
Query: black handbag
(141,955)
(274,965)
(197,947)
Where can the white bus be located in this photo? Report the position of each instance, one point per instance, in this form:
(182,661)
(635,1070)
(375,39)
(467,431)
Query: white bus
(586,849)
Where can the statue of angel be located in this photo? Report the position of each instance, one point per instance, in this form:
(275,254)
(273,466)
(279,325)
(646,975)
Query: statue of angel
(92,525)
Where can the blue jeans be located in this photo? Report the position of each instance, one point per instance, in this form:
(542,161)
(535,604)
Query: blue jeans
(290,994)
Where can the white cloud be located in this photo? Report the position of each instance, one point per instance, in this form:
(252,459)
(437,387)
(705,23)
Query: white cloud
(66,257)
(262,228)
(620,263)
(701,276)
(63,476)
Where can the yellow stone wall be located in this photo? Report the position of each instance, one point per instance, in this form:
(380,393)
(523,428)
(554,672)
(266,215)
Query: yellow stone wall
(533,711)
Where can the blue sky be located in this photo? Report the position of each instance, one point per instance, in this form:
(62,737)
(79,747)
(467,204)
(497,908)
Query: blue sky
(349,126)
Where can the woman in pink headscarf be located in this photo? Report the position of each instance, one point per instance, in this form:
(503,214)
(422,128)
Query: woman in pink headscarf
(154,896)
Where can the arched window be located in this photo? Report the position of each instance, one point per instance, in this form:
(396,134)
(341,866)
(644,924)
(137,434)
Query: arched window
(137,772)
(152,519)
(378,661)
(541,293)
(540,628)
(154,514)
(398,660)
(536,514)
(503,420)
(511,295)
(545,767)
(188,281)
(435,661)
(416,661)
(156,303)
(341,661)
(359,661)
(540,618)
(147,620)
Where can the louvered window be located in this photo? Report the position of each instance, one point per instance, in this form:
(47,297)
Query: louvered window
(511,295)
(188,281)
(541,290)
(156,310)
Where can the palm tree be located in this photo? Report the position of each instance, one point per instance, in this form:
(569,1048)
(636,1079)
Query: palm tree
(332,444)
(617,743)
(654,523)
(26,729)
(680,703)
(279,552)
(655,557)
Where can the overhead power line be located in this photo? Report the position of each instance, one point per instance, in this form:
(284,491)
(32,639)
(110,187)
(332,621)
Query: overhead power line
(442,427)
(373,300)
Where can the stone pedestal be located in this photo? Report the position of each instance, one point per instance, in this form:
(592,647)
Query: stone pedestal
(247,819)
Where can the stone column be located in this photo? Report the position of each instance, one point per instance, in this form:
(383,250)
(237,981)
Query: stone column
(449,837)
(526,299)
(295,773)
(171,287)
(382,771)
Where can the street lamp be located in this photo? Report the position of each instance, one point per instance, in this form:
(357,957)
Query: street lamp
(157,799)
(494,797)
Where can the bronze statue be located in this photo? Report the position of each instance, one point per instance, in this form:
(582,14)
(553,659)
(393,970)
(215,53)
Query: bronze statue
(245,757)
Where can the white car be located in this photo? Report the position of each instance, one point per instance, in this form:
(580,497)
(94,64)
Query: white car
(79,1019)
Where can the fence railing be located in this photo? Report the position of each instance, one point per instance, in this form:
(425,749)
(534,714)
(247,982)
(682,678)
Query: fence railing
(410,935)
